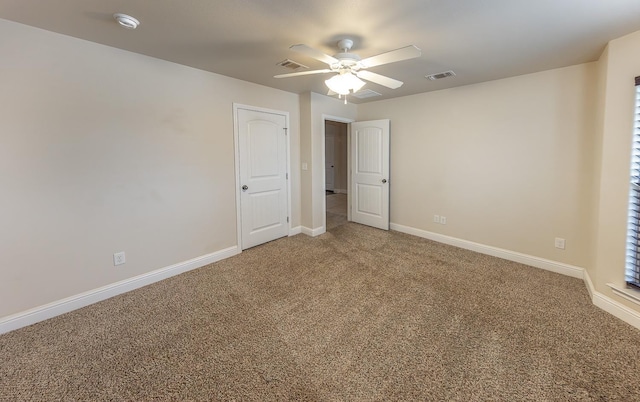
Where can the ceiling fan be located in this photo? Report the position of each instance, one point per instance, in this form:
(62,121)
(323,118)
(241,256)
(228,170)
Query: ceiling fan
(349,67)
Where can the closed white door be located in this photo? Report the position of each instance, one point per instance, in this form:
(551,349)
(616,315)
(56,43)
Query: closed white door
(263,176)
(370,173)
(329,155)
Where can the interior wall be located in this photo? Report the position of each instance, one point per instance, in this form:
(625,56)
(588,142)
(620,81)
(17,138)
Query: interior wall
(306,185)
(507,162)
(620,64)
(104,150)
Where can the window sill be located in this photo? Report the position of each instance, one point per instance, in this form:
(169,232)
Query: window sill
(632,295)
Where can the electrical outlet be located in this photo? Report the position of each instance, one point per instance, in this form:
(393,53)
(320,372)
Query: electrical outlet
(119,258)
(443,220)
(436,218)
(560,243)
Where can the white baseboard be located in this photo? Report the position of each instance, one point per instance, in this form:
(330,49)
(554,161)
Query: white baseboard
(549,265)
(313,232)
(41,313)
(616,309)
(611,306)
(294,231)
(587,282)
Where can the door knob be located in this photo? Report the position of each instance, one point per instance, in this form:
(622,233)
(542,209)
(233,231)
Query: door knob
(384,181)
(245,188)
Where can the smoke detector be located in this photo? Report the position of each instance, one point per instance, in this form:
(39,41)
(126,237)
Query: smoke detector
(126,21)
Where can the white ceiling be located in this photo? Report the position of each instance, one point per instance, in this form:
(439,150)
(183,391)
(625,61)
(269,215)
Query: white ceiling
(480,40)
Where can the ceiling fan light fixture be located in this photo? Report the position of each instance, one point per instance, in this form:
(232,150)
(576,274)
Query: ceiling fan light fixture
(345,83)
(126,21)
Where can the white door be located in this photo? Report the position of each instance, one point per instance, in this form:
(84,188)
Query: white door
(370,173)
(262,147)
(329,151)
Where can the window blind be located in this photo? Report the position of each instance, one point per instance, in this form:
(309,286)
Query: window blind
(633,222)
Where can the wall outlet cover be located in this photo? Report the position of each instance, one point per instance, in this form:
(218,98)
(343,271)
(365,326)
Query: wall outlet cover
(119,258)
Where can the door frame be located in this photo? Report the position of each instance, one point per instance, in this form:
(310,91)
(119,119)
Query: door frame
(236,146)
(346,120)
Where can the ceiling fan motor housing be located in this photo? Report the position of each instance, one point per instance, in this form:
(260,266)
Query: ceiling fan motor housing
(346,61)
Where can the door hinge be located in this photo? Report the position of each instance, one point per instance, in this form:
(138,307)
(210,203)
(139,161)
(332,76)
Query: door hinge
(287,219)
(287,175)
(285,130)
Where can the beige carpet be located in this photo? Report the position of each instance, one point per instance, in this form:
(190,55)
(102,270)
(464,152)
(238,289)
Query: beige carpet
(355,314)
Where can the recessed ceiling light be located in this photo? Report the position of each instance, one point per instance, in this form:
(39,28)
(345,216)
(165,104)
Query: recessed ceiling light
(126,21)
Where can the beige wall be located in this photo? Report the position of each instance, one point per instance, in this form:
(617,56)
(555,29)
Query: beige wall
(103,150)
(507,162)
(601,86)
(306,196)
(619,64)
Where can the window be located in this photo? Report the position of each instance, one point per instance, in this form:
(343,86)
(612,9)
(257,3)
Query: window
(633,221)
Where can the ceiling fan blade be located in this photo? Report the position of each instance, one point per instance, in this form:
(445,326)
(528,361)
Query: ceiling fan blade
(316,54)
(326,70)
(404,53)
(379,79)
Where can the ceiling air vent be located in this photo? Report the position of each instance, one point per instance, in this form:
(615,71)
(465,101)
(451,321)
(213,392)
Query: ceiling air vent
(440,76)
(366,93)
(292,65)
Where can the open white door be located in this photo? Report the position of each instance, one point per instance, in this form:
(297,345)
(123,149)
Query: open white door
(263,176)
(370,173)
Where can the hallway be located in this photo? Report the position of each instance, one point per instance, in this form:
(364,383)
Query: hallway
(336,210)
